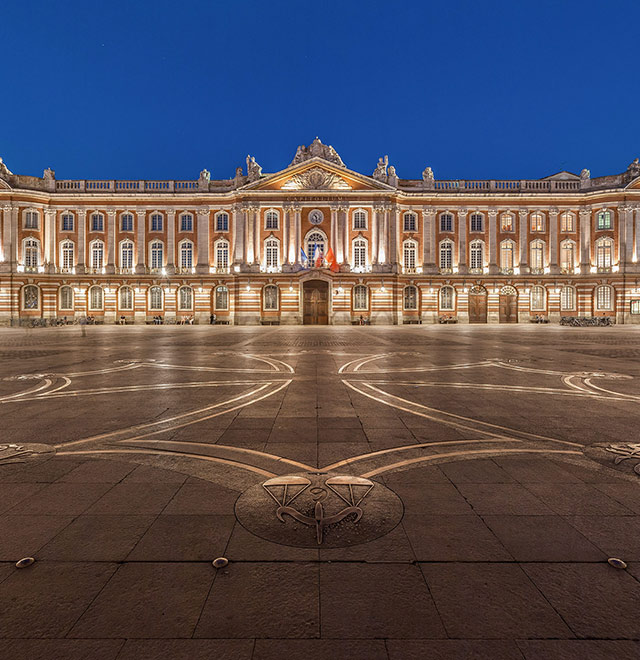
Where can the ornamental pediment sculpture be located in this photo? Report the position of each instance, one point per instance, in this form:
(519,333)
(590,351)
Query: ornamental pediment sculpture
(316,178)
(317,150)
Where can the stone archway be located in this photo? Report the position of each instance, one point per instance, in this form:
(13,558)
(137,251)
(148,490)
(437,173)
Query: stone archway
(508,305)
(477,304)
(315,301)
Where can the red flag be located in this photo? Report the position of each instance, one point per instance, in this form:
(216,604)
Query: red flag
(331,260)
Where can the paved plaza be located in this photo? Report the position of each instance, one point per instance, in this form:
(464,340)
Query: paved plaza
(380,492)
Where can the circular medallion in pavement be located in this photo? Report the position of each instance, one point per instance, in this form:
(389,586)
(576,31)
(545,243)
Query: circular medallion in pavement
(319,510)
(26,452)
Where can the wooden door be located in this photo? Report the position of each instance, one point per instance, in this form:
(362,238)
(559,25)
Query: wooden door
(316,303)
(508,308)
(477,308)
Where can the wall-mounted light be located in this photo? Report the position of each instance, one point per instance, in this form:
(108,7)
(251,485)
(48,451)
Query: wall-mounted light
(249,286)
(382,288)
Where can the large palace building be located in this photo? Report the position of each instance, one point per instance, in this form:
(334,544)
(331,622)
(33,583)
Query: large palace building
(318,243)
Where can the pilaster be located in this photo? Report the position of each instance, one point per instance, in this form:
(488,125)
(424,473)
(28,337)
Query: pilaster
(462,240)
(202,266)
(171,241)
(493,240)
(429,239)
(50,240)
(524,244)
(81,219)
(553,240)
(585,237)
(142,247)
(111,241)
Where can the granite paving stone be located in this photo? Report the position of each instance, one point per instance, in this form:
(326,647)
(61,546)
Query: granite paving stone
(24,535)
(187,649)
(579,649)
(63,649)
(319,649)
(452,649)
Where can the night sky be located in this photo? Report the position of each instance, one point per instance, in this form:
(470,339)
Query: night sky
(474,89)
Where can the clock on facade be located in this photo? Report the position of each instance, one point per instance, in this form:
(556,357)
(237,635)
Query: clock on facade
(316,217)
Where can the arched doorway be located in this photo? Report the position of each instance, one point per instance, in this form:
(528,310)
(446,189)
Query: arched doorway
(315,294)
(508,305)
(477,304)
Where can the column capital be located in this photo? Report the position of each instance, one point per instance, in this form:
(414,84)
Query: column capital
(553,210)
(141,213)
(171,212)
(202,212)
(297,207)
(492,213)
(585,213)
(111,213)
(50,212)
(343,206)
(462,212)
(523,213)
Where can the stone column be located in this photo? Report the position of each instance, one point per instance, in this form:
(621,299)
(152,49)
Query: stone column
(585,241)
(375,225)
(297,226)
(142,247)
(202,266)
(628,235)
(111,241)
(7,240)
(462,240)
(171,242)
(81,219)
(237,224)
(636,248)
(383,243)
(285,234)
(257,233)
(524,244)
(553,240)
(333,238)
(340,220)
(493,241)
(346,248)
(429,239)
(50,240)
(248,234)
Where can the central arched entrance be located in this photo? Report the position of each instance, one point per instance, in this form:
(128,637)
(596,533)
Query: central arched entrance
(315,294)
(508,305)
(477,304)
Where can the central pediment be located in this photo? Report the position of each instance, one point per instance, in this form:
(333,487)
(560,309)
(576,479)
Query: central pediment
(316,178)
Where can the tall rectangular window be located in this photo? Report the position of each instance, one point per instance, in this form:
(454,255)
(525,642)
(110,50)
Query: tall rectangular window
(67,222)
(476,222)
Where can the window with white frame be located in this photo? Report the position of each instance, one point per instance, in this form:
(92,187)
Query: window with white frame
(506,222)
(97,255)
(604,253)
(126,222)
(410,298)
(186,222)
(604,299)
(537,299)
(476,255)
(359,254)
(359,219)
(155,298)
(67,222)
(126,255)
(186,255)
(446,222)
(97,222)
(31,249)
(67,256)
(66,298)
(360,298)
(409,253)
(603,220)
(222,221)
(410,222)
(567,222)
(271,219)
(96,298)
(185,298)
(270,297)
(476,222)
(156,222)
(315,240)
(446,299)
(31,219)
(536,222)
(222,254)
(125,296)
(506,256)
(536,256)
(30,297)
(567,256)
(567,299)
(157,255)
(272,253)
(221,300)
(446,255)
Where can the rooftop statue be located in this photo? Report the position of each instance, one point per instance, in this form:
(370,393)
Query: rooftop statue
(254,171)
(380,173)
(4,170)
(427,174)
(317,150)
(205,175)
(634,167)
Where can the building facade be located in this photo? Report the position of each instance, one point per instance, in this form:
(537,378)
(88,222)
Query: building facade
(319,243)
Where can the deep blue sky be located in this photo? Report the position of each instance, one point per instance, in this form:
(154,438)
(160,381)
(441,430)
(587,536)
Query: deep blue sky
(161,89)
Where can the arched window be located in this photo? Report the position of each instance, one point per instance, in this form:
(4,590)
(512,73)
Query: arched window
(31,297)
(410,222)
(506,256)
(126,222)
(359,254)
(315,240)
(536,251)
(447,296)
(410,298)
(271,219)
(567,299)
(537,299)
(126,255)
(222,255)
(157,255)
(446,222)
(185,298)
(603,220)
(126,298)
(476,255)
(604,253)
(97,255)
(476,222)
(360,219)
(604,298)
(506,222)
(31,249)
(567,222)
(270,297)
(409,253)
(67,259)
(31,220)
(221,301)
(536,222)
(446,255)
(97,222)
(156,222)
(96,298)
(272,254)
(567,256)
(360,298)
(66,298)
(67,222)
(186,222)
(222,221)
(186,255)
(155,298)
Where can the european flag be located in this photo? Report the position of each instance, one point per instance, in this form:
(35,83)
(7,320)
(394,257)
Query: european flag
(304,260)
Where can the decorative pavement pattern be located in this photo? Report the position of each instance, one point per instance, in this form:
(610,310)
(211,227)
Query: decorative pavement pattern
(379,492)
